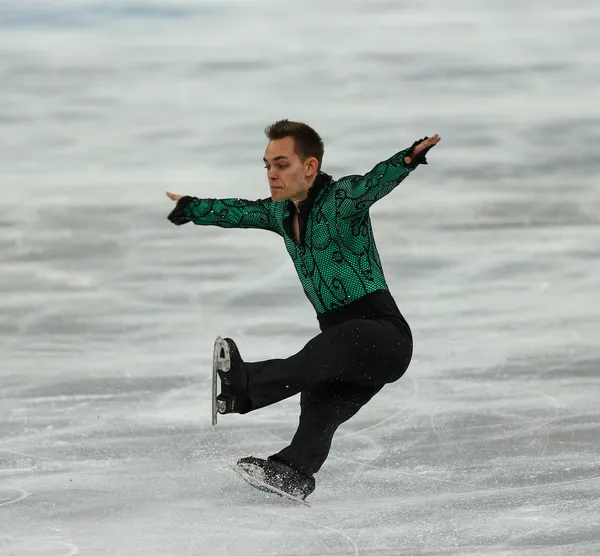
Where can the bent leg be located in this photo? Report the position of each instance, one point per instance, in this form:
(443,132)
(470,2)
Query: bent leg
(366,352)
(323,410)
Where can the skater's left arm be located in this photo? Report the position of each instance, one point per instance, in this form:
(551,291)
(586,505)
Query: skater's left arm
(385,176)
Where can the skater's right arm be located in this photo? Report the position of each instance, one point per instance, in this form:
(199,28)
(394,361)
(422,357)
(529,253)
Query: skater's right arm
(225,213)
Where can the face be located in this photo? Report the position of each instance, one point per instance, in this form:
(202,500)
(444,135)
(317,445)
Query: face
(288,176)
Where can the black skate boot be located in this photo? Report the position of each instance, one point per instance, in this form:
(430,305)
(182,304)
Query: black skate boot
(228,365)
(273,475)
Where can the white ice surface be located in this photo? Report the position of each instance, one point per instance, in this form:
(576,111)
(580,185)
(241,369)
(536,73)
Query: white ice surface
(489,445)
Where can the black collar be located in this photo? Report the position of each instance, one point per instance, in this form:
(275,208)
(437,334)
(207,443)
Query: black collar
(321,181)
(304,207)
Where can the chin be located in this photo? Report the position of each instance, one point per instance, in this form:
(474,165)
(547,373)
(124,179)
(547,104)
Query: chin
(278,195)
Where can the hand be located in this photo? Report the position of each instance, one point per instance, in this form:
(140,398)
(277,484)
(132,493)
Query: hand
(177,215)
(423,147)
(427,144)
(174,197)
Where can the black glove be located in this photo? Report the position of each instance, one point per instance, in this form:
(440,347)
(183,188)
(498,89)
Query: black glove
(177,215)
(420,158)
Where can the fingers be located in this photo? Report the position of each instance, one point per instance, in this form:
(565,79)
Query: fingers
(433,140)
(173,196)
(428,143)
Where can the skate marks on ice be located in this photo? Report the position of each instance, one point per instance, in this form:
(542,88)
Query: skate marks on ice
(320,525)
(446,521)
(40,548)
(506,402)
(497,420)
(295,502)
(10,496)
(511,461)
(462,431)
(372,442)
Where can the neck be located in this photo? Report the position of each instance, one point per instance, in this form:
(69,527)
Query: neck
(302,195)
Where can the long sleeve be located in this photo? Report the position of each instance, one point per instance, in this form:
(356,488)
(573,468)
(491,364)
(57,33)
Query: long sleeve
(363,191)
(226,213)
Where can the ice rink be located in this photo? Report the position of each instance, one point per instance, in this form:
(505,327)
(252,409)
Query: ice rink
(489,445)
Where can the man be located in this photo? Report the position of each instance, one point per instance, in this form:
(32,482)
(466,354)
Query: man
(365,342)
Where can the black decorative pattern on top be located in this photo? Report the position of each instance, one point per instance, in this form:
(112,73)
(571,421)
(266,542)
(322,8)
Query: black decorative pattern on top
(336,258)
(233,213)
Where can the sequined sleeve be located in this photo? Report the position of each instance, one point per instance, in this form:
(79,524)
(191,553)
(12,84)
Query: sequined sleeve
(363,191)
(227,213)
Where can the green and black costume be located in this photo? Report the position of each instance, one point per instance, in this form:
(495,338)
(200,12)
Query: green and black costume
(364,342)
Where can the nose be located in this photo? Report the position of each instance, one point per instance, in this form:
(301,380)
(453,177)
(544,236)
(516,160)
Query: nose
(272,174)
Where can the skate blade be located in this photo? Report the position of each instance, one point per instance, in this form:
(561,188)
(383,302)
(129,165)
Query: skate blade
(220,359)
(259,485)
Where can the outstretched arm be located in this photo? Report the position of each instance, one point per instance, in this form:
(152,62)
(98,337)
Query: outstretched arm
(385,176)
(225,213)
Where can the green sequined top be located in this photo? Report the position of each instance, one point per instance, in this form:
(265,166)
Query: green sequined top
(336,258)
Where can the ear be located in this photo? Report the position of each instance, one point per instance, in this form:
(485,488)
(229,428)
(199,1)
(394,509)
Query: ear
(312,166)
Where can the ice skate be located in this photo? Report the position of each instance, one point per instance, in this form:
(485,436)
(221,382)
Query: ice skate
(276,477)
(228,371)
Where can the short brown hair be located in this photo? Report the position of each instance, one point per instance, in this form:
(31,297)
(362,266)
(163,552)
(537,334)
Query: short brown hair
(308,142)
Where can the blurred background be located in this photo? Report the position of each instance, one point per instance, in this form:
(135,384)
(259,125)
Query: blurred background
(108,312)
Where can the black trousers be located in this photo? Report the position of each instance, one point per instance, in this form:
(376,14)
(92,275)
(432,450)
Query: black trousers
(337,372)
